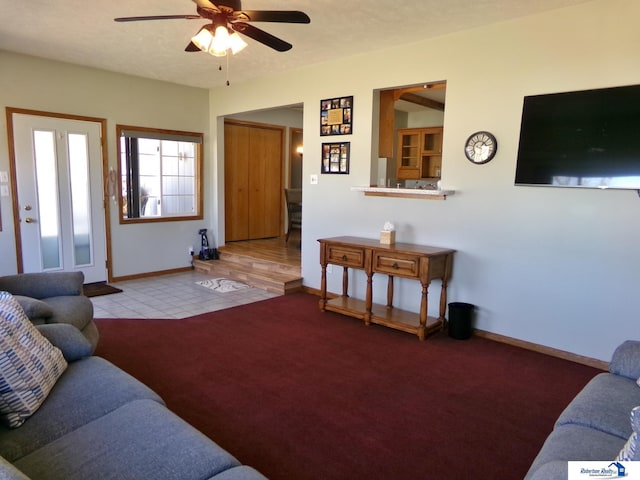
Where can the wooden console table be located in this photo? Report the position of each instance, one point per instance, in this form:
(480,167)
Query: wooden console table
(404,260)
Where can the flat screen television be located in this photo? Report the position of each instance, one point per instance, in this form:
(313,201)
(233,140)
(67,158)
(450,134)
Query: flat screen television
(587,138)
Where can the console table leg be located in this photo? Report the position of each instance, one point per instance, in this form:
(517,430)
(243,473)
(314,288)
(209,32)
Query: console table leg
(323,287)
(424,308)
(443,291)
(345,281)
(443,301)
(390,292)
(369,299)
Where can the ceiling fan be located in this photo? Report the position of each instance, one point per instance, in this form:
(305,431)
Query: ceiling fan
(227,20)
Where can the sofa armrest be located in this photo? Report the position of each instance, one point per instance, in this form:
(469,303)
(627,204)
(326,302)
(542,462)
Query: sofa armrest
(73,344)
(626,360)
(34,308)
(43,285)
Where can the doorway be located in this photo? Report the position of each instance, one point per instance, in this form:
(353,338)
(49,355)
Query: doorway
(59,209)
(289,118)
(295,158)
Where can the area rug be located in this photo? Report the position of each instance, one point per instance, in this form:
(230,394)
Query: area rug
(99,288)
(222,285)
(305,395)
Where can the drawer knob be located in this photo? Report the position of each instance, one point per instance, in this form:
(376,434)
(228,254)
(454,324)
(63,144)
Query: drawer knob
(395,266)
(344,258)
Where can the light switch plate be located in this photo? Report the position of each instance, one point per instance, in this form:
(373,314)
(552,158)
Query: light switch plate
(313,179)
(4,190)
(4,177)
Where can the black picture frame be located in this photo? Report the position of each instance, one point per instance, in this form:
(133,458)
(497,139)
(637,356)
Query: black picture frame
(336,115)
(335,158)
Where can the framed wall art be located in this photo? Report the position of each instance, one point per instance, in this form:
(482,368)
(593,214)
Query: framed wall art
(335,157)
(336,115)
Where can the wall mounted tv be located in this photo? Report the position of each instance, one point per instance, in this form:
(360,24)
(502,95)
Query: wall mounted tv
(587,138)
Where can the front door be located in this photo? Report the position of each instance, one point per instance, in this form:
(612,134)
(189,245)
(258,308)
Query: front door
(58,165)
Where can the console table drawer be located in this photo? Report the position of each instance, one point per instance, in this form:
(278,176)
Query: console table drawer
(397,264)
(346,256)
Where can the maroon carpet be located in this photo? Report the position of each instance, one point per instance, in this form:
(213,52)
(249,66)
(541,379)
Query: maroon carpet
(300,394)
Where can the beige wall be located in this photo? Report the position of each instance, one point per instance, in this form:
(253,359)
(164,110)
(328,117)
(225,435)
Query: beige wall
(550,266)
(36,84)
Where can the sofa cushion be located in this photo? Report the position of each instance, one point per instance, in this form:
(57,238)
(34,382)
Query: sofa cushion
(631,449)
(90,388)
(73,344)
(604,404)
(572,442)
(29,364)
(140,440)
(36,310)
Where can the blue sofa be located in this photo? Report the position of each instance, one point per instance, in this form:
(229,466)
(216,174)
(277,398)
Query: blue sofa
(597,424)
(98,422)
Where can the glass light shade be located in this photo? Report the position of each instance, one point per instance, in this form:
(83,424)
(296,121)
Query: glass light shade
(203,39)
(236,43)
(220,43)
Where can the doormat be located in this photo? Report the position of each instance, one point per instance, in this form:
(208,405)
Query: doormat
(222,285)
(99,288)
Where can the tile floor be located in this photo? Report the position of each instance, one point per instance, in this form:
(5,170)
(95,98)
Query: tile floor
(170,296)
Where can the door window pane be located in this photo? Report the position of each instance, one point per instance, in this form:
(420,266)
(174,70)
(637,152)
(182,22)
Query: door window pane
(48,207)
(80,200)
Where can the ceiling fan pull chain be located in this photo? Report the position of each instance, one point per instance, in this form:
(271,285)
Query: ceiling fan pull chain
(228,70)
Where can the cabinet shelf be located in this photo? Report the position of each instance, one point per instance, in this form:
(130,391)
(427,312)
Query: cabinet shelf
(419,154)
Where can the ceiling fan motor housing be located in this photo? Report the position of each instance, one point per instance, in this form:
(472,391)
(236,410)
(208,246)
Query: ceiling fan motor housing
(229,6)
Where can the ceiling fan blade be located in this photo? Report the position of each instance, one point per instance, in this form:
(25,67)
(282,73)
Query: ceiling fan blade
(261,36)
(192,47)
(282,16)
(157,17)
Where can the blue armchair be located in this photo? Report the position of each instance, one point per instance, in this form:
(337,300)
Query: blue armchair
(56,297)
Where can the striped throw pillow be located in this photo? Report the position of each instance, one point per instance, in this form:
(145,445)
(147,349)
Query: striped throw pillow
(29,364)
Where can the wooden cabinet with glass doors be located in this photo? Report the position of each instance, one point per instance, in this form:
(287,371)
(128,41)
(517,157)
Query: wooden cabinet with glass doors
(419,153)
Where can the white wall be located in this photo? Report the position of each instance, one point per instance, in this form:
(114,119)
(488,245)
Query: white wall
(36,84)
(551,266)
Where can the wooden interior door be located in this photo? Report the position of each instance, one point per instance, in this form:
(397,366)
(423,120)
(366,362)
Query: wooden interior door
(236,187)
(254,157)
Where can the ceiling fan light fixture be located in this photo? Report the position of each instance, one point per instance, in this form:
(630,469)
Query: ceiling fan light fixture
(217,41)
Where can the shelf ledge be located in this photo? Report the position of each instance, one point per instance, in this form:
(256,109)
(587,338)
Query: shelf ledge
(404,192)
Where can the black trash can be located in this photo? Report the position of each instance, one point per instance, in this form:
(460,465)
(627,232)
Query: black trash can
(460,318)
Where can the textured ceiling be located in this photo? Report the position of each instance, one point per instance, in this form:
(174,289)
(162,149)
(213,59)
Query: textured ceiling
(82,32)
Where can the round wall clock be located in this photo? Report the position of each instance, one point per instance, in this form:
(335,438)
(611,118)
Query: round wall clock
(481,147)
